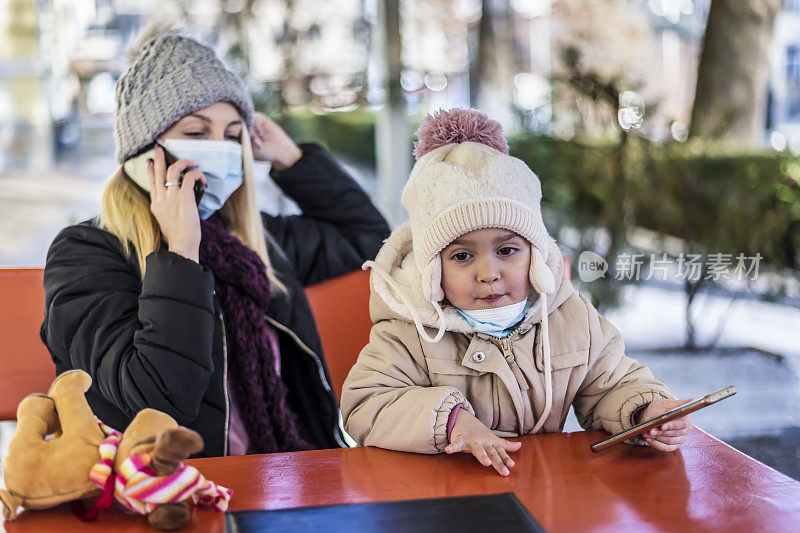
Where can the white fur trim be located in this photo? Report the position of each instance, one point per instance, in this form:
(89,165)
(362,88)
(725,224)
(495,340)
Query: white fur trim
(540,275)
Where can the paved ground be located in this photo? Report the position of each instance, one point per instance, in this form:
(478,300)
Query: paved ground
(761,355)
(781,451)
(36,204)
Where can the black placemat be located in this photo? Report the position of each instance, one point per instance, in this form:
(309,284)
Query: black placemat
(485,513)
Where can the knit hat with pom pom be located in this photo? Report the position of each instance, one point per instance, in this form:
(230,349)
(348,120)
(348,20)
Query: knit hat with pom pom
(170,76)
(464,180)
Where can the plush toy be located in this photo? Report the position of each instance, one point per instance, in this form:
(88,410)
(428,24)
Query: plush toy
(88,463)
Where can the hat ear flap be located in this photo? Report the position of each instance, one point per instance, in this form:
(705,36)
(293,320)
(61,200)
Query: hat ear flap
(540,275)
(432,280)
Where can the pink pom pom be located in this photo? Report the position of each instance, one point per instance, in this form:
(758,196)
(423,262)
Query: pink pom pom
(458,126)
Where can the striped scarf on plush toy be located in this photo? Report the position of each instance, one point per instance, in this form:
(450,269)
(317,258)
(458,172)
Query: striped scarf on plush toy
(139,488)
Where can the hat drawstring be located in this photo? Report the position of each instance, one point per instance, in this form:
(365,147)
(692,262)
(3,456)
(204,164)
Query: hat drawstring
(548,367)
(417,321)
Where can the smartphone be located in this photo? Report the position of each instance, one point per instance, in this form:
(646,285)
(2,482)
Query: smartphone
(169,159)
(663,418)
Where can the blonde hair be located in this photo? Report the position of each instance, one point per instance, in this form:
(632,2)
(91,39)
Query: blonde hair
(125,213)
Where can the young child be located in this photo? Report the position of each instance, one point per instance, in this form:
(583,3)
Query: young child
(478,334)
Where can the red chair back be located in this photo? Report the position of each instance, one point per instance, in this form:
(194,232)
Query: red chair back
(341,310)
(340,307)
(25,363)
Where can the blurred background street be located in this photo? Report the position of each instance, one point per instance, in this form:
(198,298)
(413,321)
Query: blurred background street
(661,128)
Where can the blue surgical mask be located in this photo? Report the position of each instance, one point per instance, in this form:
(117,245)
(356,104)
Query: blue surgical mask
(498,322)
(219,161)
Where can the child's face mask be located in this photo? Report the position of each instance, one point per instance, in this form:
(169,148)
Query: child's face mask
(219,161)
(497,322)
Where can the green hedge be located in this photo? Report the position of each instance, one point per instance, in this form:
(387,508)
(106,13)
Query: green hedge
(726,201)
(349,134)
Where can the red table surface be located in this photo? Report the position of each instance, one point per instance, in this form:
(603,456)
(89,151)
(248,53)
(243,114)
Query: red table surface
(705,486)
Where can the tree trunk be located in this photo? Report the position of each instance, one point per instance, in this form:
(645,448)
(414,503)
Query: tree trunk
(391,132)
(730,100)
(491,79)
(480,62)
(288,80)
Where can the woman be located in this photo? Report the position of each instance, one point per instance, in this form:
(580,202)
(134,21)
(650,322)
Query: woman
(194,305)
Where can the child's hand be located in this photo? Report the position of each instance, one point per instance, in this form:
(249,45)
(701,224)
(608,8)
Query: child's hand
(271,143)
(470,435)
(669,436)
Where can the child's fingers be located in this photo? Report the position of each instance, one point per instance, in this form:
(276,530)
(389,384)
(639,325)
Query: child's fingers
(670,440)
(481,455)
(666,444)
(497,461)
(675,427)
(680,423)
(510,446)
(508,461)
(660,446)
(455,446)
(671,433)
(672,404)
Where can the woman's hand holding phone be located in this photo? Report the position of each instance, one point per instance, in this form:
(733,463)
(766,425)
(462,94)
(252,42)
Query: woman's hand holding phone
(668,436)
(173,203)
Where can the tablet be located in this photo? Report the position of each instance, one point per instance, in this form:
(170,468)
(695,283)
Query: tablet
(663,418)
(484,512)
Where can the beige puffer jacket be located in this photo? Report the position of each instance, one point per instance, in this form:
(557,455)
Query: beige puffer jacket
(401,390)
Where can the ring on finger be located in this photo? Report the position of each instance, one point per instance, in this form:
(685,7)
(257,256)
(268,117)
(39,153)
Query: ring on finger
(172,183)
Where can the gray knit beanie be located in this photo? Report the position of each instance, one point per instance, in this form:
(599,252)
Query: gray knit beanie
(170,76)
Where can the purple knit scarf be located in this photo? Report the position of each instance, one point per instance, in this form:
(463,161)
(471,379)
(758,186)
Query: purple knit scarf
(243,290)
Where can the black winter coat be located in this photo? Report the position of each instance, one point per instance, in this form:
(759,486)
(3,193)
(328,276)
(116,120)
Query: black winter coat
(160,342)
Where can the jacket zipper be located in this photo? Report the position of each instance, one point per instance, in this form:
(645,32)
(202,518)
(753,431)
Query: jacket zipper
(506,347)
(320,370)
(308,350)
(225,383)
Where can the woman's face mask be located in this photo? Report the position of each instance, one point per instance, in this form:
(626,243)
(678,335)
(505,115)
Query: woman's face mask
(219,161)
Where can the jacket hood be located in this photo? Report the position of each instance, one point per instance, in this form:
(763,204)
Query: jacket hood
(396,261)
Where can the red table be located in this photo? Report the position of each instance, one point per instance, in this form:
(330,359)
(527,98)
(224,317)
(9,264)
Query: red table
(705,486)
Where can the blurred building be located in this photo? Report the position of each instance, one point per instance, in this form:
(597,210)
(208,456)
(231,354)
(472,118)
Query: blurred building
(60,60)
(58,63)
(783,122)
(24,113)
(670,70)
(665,75)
